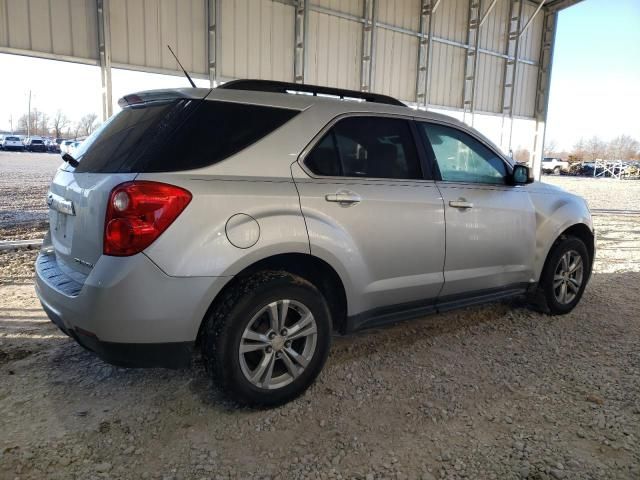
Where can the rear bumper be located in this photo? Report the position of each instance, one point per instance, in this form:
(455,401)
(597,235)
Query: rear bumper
(127,310)
(164,355)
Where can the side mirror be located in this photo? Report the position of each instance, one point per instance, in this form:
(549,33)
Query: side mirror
(521,175)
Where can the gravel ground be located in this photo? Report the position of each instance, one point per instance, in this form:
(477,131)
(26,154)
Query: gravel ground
(493,392)
(24,181)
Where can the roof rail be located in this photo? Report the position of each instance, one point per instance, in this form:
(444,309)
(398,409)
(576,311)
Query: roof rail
(274,86)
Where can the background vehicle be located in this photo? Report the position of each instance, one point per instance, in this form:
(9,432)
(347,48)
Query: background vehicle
(300,216)
(64,146)
(554,165)
(12,142)
(52,146)
(35,145)
(72,147)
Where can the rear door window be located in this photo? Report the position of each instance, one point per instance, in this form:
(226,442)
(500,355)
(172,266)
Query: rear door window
(180,135)
(371,147)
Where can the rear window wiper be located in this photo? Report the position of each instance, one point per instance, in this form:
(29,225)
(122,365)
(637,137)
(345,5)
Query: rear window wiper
(70,160)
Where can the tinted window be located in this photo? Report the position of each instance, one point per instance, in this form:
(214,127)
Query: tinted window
(373,147)
(180,135)
(13,139)
(462,158)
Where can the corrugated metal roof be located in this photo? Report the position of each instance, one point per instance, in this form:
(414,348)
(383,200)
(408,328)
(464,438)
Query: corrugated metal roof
(400,13)
(352,7)
(258,39)
(141,31)
(334,51)
(396,52)
(489,83)
(447,75)
(68,28)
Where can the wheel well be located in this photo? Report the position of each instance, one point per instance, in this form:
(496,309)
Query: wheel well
(581,231)
(585,234)
(311,268)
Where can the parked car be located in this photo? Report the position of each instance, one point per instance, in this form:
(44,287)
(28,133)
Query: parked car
(300,216)
(53,146)
(12,142)
(554,165)
(35,145)
(72,147)
(64,145)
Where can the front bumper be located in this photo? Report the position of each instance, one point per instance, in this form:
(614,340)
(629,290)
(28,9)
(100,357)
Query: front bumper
(126,310)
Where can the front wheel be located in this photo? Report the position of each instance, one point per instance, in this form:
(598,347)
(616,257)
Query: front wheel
(565,275)
(267,339)
(556,171)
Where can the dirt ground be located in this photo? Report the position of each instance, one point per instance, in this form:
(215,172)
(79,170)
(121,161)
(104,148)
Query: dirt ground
(493,392)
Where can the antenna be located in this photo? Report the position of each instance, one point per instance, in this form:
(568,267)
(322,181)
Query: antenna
(184,71)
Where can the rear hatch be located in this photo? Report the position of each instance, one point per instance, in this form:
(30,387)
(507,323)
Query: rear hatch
(115,153)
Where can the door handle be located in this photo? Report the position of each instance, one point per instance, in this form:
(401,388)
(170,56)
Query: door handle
(460,204)
(344,198)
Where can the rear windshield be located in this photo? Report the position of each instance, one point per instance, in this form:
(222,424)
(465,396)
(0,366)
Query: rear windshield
(179,135)
(13,139)
(36,142)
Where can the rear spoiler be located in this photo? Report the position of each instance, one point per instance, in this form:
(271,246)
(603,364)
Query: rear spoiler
(149,96)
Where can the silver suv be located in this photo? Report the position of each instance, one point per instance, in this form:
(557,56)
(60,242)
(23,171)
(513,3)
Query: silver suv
(255,219)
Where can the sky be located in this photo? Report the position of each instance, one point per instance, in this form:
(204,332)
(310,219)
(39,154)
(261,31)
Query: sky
(595,84)
(595,79)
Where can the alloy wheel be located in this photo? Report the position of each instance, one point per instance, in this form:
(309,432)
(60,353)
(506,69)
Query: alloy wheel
(568,276)
(277,344)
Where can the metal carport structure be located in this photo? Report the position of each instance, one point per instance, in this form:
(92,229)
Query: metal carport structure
(488,62)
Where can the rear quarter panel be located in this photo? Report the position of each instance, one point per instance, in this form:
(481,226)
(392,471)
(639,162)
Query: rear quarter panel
(196,244)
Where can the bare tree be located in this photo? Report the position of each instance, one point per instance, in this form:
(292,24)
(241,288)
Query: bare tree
(595,148)
(58,123)
(44,123)
(579,151)
(77,128)
(88,123)
(623,147)
(22,124)
(550,148)
(522,155)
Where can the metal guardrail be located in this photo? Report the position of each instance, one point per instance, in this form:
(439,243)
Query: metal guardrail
(20,244)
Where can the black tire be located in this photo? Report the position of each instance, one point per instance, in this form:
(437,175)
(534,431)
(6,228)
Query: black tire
(556,171)
(231,314)
(546,298)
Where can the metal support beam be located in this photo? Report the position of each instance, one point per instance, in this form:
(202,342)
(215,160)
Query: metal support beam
(509,73)
(487,12)
(542,88)
(368,45)
(471,60)
(104,57)
(554,6)
(301,29)
(213,40)
(424,53)
(526,25)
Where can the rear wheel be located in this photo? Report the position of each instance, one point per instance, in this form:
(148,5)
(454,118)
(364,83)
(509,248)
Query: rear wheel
(267,339)
(565,276)
(556,171)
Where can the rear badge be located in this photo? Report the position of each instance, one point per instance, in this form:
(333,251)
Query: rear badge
(82,262)
(60,204)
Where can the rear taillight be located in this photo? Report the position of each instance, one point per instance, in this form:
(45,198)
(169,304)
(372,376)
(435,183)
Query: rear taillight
(138,213)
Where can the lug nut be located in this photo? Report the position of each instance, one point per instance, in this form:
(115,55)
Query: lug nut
(287,344)
(272,335)
(284,332)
